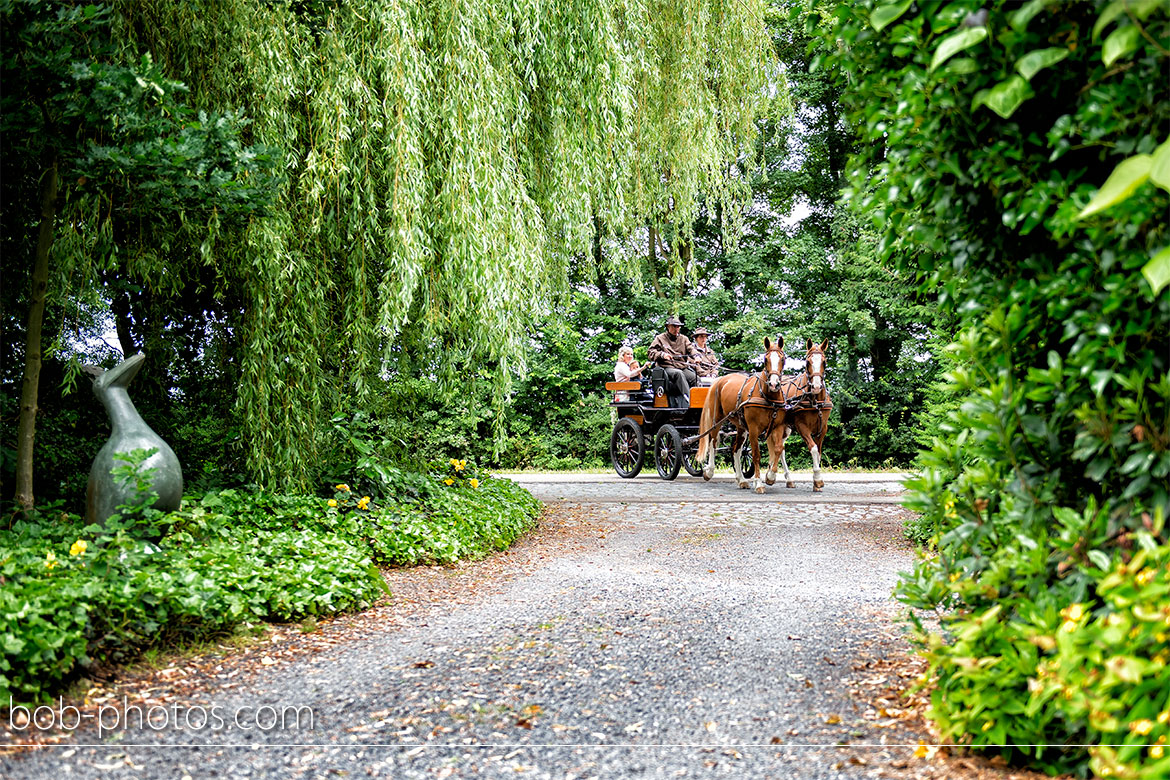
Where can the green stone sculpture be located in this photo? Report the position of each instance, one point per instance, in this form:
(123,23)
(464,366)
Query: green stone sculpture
(106,493)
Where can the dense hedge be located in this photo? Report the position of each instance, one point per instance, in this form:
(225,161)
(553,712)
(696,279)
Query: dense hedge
(72,596)
(1016,158)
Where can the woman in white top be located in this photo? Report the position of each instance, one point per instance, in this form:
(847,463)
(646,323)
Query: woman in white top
(627,368)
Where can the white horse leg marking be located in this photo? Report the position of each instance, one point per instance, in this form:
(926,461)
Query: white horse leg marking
(739,480)
(757,483)
(787,474)
(709,467)
(816,460)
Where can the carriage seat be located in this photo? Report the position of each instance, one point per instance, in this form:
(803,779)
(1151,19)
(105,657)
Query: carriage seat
(658,385)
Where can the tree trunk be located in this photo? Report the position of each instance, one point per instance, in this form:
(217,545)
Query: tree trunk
(121,309)
(27,425)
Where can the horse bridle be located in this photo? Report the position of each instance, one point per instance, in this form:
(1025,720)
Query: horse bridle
(820,370)
(778,371)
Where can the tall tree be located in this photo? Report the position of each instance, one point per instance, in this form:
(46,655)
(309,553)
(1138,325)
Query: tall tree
(106,146)
(445,161)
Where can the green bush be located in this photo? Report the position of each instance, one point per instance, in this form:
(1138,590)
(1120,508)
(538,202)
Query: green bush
(78,595)
(74,595)
(1015,156)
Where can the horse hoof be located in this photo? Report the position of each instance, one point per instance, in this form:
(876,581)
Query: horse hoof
(743,485)
(818,486)
(760,489)
(770,479)
(707,475)
(790,484)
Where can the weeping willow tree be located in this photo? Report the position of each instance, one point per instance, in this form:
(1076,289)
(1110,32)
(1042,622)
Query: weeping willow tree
(445,160)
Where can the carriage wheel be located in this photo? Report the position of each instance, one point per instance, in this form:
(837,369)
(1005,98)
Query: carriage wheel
(691,462)
(749,466)
(627,448)
(667,451)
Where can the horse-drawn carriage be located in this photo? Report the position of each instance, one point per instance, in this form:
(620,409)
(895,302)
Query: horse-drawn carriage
(738,406)
(647,424)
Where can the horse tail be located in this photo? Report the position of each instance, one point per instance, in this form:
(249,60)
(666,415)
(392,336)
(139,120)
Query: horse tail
(709,416)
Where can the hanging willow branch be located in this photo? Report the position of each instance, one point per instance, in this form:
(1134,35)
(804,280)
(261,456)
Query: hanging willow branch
(445,161)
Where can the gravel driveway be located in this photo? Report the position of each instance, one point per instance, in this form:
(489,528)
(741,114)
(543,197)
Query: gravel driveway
(689,630)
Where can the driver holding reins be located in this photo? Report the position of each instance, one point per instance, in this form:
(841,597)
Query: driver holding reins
(675,353)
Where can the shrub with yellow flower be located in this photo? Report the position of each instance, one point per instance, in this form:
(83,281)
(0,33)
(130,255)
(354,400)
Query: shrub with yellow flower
(50,560)
(78,548)
(459,473)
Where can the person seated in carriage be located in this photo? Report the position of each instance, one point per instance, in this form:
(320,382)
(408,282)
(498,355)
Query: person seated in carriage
(674,352)
(627,368)
(706,363)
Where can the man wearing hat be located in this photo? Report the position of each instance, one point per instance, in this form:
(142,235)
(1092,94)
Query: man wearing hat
(706,362)
(675,353)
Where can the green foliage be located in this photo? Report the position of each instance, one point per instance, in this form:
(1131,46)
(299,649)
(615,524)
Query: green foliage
(64,604)
(987,170)
(445,162)
(74,596)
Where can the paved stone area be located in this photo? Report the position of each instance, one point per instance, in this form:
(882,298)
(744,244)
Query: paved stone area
(840,490)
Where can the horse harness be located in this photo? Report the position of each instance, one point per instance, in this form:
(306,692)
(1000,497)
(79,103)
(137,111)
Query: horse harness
(803,402)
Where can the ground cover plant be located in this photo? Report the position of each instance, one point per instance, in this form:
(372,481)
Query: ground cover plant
(1017,159)
(75,596)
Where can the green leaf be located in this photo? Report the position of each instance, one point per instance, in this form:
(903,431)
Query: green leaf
(1018,20)
(1035,61)
(1111,12)
(1157,271)
(1099,559)
(953,44)
(1139,9)
(961,66)
(1160,169)
(1129,174)
(883,15)
(1121,43)
(1005,97)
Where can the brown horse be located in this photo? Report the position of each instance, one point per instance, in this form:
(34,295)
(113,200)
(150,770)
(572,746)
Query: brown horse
(811,415)
(755,402)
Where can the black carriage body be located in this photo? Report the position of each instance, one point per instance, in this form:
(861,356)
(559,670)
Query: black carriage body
(666,433)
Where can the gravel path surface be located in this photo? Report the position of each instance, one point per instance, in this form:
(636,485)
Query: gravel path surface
(693,632)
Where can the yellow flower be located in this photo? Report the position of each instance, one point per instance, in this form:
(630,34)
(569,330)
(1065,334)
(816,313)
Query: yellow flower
(453,462)
(473,482)
(448,481)
(1068,626)
(333,502)
(955,577)
(343,488)
(1145,577)
(1073,612)
(988,725)
(1156,751)
(78,547)
(459,465)
(364,503)
(1142,727)
(1164,716)
(50,560)
(920,751)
